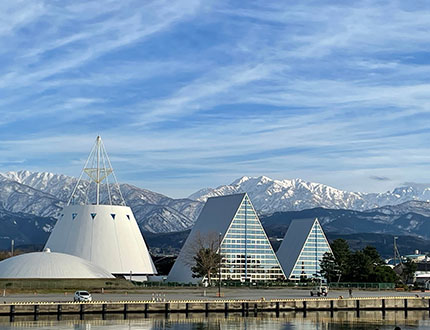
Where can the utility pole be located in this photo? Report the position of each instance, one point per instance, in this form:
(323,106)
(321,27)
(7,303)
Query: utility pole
(396,252)
(12,243)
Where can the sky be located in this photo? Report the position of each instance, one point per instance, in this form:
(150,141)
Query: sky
(188,94)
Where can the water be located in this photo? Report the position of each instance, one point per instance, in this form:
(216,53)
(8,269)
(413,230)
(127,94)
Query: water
(367,320)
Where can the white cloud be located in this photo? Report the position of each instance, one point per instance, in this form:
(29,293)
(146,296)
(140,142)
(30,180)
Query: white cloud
(213,90)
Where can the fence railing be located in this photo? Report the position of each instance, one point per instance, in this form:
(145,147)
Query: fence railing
(361,285)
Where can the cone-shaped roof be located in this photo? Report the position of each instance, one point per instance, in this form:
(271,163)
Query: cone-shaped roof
(106,235)
(98,168)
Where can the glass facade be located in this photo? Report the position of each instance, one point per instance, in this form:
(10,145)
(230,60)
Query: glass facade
(308,262)
(246,250)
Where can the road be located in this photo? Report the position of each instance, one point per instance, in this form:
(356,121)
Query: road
(198,294)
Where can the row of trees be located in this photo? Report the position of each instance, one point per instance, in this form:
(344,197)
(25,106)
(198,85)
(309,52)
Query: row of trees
(364,265)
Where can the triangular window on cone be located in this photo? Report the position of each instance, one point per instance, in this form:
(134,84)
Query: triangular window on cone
(246,250)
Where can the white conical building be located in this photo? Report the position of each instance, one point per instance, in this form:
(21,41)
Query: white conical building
(105,234)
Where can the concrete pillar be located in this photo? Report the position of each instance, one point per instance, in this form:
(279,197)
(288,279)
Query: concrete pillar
(383,308)
(406,308)
(331,308)
(357,307)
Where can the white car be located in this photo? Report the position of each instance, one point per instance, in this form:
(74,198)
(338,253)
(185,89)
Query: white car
(82,296)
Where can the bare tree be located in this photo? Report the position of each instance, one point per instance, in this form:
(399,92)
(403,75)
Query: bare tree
(202,255)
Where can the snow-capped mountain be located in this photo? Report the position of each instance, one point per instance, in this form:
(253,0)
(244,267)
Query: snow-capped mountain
(44,194)
(270,195)
(24,229)
(409,218)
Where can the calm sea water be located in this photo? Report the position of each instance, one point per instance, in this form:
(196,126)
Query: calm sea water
(287,321)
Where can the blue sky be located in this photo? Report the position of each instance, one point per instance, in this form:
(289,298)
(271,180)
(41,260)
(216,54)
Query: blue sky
(188,94)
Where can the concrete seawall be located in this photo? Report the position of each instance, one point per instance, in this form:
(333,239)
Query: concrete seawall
(219,306)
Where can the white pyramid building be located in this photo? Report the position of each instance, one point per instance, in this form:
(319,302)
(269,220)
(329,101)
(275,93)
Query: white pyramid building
(245,248)
(105,234)
(302,249)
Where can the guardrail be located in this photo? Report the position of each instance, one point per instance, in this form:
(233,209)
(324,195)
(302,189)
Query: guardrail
(226,306)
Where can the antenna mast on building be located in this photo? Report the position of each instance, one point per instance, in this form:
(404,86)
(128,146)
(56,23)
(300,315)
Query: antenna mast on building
(98,168)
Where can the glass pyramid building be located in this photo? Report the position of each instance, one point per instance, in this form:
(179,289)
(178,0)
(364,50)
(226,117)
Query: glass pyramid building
(302,249)
(246,250)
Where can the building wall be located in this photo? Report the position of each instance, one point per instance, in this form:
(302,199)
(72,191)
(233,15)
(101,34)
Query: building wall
(246,250)
(308,262)
(107,235)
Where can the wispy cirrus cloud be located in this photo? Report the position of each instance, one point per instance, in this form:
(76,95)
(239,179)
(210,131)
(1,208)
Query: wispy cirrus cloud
(198,93)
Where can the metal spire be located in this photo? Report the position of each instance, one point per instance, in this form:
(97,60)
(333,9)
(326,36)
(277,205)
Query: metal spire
(98,168)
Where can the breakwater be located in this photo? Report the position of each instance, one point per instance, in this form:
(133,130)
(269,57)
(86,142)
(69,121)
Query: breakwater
(218,306)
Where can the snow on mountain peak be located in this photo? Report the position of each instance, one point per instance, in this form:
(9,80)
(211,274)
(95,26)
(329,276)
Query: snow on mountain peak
(240,181)
(44,194)
(270,195)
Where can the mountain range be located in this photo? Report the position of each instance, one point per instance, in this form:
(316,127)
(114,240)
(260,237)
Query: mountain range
(410,218)
(270,195)
(30,202)
(44,194)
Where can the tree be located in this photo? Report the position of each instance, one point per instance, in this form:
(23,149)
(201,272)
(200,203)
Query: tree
(336,266)
(360,267)
(385,274)
(330,268)
(373,255)
(207,264)
(364,265)
(408,270)
(203,257)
